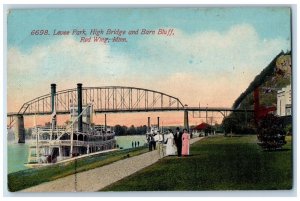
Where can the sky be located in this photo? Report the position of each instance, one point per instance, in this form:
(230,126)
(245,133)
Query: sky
(212,57)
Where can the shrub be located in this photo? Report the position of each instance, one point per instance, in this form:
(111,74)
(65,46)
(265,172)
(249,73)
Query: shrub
(271,133)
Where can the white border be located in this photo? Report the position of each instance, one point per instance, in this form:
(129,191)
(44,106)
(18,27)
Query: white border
(208,195)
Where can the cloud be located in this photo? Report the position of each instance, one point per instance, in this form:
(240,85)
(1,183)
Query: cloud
(65,62)
(18,61)
(210,67)
(212,51)
(65,56)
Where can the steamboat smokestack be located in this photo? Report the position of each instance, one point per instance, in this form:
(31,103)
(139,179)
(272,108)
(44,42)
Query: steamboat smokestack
(53,109)
(79,104)
(53,92)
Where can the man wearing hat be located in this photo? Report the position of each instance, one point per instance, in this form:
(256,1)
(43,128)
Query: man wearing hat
(178,141)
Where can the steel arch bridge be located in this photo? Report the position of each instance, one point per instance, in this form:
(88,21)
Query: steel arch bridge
(107,99)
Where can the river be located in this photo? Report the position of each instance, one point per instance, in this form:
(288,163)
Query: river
(17,154)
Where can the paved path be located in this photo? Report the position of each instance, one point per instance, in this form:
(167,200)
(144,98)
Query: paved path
(98,178)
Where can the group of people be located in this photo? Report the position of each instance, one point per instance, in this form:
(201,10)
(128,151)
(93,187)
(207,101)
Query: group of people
(181,140)
(133,144)
(154,139)
(175,142)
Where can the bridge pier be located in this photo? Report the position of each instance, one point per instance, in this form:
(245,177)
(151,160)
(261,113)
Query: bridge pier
(148,129)
(186,120)
(20,134)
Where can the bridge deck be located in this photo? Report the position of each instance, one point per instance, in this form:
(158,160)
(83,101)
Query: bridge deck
(165,109)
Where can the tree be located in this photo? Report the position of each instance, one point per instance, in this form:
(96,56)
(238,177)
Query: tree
(131,130)
(120,130)
(288,129)
(239,123)
(230,124)
(140,130)
(271,132)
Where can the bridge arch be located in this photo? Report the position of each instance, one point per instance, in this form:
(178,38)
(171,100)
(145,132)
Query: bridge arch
(105,99)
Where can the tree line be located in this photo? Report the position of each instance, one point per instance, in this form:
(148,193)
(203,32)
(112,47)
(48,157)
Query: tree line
(131,130)
(119,130)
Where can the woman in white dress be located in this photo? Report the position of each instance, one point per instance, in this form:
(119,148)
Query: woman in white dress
(170,146)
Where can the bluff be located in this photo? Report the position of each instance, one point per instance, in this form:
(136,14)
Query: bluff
(273,77)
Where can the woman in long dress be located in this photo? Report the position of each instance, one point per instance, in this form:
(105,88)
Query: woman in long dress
(185,143)
(170,146)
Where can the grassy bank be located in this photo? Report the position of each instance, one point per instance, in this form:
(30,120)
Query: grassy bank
(216,163)
(31,177)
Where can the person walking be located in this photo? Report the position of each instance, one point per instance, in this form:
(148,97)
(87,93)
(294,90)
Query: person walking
(151,142)
(158,138)
(185,143)
(178,141)
(170,146)
(134,143)
(138,143)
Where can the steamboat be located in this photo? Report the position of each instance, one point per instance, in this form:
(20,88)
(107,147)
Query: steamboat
(78,138)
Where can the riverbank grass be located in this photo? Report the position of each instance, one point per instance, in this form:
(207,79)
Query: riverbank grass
(27,178)
(216,163)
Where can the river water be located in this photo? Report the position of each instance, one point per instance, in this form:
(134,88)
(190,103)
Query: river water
(17,154)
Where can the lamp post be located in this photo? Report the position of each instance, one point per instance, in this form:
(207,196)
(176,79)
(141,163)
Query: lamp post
(206,112)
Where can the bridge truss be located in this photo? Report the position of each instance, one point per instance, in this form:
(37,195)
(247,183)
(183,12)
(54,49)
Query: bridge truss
(104,99)
(110,99)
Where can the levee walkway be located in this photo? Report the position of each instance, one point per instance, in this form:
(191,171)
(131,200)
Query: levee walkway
(98,178)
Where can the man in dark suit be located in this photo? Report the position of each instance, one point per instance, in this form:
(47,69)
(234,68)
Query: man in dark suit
(178,141)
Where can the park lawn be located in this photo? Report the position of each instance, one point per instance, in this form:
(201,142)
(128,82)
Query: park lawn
(31,177)
(216,163)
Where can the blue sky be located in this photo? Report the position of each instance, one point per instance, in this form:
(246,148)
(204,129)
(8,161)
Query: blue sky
(214,54)
(268,22)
